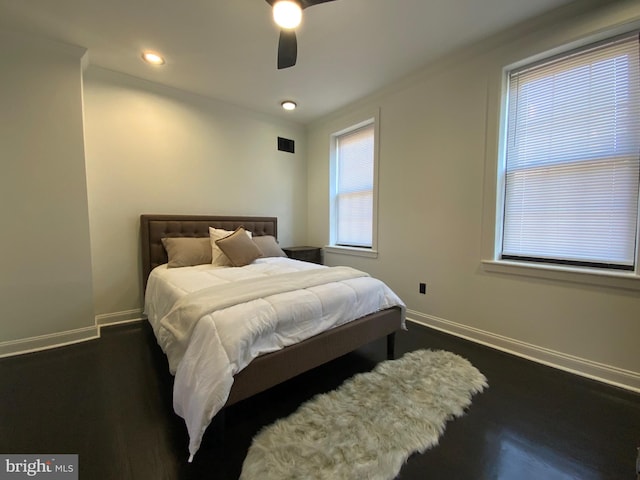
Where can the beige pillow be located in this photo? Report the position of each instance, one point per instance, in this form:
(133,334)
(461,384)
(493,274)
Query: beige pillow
(187,251)
(218,258)
(269,247)
(239,248)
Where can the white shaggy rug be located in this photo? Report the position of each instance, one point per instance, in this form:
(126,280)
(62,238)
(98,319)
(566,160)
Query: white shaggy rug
(370,425)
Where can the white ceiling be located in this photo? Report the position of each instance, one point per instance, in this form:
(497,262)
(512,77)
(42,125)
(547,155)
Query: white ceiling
(226,49)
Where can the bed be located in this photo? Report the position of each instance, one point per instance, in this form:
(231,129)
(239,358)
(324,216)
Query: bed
(272,368)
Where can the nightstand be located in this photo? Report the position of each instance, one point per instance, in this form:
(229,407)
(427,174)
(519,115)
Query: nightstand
(307,254)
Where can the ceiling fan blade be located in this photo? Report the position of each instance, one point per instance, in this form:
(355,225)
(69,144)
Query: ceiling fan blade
(310,3)
(303,3)
(288,44)
(287,49)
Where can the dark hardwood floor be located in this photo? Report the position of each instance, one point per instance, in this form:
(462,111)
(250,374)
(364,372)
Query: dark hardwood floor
(110,402)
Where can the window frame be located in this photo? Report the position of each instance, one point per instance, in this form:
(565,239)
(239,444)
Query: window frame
(493,223)
(373,118)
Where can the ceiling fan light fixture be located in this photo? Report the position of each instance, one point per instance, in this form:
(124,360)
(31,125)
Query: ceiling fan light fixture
(287,14)
(152,58)
(289,105)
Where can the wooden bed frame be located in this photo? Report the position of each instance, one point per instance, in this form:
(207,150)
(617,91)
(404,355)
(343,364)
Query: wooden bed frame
(273,368)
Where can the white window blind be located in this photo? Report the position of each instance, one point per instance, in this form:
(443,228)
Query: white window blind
(354,187)
(572,158)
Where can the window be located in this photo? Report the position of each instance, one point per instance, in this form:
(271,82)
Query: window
(353,187)
(571,158)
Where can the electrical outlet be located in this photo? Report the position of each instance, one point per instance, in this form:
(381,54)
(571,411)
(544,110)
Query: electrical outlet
(423,288)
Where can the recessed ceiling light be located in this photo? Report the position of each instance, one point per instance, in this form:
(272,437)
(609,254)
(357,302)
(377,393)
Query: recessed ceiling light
(287,14)
(289,105)
(152,58)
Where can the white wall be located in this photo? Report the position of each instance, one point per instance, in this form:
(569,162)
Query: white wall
(438,131)
(152,149)
(45,279)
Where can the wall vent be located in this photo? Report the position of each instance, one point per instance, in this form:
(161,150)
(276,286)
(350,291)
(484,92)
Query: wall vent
(286,145)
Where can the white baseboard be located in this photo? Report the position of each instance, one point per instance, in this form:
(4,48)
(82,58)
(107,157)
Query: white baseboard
(580,366)
(45,342)
(116,318)
(61,339)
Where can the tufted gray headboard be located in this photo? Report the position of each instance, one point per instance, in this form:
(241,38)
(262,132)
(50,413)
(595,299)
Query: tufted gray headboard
(154,227)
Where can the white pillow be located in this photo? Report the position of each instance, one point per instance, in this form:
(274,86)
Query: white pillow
(217,257)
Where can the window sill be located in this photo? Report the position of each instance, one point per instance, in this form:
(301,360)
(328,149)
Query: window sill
(588,276)
(357,252)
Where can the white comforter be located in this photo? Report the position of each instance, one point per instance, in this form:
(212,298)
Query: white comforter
(209,337)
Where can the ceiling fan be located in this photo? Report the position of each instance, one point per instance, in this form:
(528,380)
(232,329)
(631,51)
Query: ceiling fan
(287,14)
